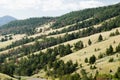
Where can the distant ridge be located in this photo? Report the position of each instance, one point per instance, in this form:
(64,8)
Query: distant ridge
(6,19)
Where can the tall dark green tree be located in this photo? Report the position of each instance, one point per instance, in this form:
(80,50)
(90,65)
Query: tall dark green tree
(92,59)
(86,60)
(100,38)
(109,51)
(117,32)
(89,42)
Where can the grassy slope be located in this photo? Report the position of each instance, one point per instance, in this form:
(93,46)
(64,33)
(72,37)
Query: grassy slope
(88,51)
(15,38)
(18,37)
(5,77)
(79,56)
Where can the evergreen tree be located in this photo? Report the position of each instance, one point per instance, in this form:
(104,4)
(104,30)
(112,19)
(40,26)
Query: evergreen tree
(86,60)
(92,59)
(100,38)
(109,51)
(117,32)
(89,42)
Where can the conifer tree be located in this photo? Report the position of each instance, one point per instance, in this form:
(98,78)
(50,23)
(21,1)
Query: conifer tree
(100,38)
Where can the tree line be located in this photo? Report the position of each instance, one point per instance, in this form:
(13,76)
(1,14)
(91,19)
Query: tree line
(100,14)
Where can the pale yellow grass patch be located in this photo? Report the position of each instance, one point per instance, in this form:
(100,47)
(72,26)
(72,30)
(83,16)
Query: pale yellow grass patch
(15,38)
(5,77)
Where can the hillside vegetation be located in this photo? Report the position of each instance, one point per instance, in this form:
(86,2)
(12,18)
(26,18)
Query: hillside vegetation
(24,26)
(99,14)
(81,45)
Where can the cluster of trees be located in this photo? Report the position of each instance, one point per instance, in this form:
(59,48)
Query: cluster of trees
(24,26)
(91,60)
(118,48)
(100,14)
(75,76)
(79,45)
(97,76)
(60,68)
(36,62)
(77,26)
(110,50)
(117,74)
(22,42)
(115,33)
(91,30)
(6,38)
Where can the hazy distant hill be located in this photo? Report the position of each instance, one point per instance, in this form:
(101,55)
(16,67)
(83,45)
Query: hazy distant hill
(6,19)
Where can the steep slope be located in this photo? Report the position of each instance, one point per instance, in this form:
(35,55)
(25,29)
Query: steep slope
(62,55)
(6,19)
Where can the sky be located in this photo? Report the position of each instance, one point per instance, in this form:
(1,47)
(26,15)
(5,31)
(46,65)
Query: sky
(22,9)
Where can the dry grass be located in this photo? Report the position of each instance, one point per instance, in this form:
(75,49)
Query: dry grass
(93,38)
(101,45)
(62,34)
(80,55)
(6,51)
(15,38)
(18,37)
(5,77)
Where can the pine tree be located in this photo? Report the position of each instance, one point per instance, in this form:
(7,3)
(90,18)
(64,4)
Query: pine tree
(117,32)
(86,60)
(89,42)
(109,51)
(100,38)
(92,59)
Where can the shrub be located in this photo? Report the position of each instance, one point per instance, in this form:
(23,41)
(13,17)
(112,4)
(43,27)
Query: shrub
(111,60)
(100,56)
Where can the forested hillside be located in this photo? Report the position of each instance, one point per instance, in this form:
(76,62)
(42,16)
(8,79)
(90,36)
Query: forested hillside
(98,14)
(81,45)
(24,26)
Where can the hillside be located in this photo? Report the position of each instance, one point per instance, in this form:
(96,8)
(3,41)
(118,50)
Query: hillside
(6,19)
(26,26)
(99,14)
(80,45)
(6,77)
